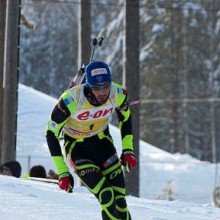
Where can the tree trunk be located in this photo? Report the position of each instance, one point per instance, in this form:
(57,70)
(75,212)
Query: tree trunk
(131,82)
(84,32)
(10,81)
(2,44)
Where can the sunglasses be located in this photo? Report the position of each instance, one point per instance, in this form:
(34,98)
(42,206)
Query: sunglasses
(100,87)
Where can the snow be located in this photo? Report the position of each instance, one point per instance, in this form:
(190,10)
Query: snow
(189,181)
(27,199)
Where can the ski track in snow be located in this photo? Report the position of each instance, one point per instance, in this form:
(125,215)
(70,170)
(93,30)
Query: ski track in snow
(25,199)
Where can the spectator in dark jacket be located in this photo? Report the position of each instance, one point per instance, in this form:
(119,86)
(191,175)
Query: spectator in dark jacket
(11,168)
(38,171)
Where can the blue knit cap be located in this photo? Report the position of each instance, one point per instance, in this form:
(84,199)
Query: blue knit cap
(97,72)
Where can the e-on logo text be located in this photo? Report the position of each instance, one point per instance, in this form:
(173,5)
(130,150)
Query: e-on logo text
(101,113)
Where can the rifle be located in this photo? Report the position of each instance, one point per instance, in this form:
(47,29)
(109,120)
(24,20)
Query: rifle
(80,75)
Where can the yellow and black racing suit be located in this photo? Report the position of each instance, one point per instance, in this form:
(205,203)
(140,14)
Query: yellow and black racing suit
(88,145)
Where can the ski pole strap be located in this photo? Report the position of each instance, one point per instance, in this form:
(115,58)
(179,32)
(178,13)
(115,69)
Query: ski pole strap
(127,167)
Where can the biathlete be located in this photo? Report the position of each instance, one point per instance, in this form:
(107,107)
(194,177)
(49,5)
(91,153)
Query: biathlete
(81,116)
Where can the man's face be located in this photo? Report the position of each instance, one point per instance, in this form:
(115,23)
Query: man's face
(101,91)
(5,171)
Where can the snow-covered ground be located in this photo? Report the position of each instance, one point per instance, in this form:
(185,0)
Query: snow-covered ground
(188,181)
(24,199)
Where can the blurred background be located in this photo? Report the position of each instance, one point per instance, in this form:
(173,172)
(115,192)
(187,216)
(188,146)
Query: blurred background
(179,63)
